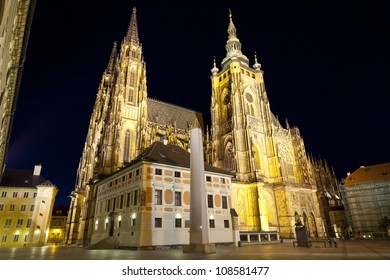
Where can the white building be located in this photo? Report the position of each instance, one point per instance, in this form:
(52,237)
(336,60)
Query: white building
(146,204)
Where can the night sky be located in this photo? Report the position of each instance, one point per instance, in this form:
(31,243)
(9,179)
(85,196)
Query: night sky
(326,68)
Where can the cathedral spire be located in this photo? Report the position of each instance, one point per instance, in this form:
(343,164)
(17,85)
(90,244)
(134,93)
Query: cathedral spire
(111,62)
(233,45)
(132,32)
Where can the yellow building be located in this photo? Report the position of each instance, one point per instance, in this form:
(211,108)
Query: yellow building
(58,224)
(26,203)
(274,184)
(15,24)
(366,196)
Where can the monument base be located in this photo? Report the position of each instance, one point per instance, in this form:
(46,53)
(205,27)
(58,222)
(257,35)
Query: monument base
(199,248)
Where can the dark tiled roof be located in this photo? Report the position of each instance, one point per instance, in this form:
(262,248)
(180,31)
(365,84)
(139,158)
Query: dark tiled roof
(21,178)
(366,174)
(64,210)
(173,155)
(164,113)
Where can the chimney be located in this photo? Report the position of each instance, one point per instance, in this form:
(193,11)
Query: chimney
(37,170)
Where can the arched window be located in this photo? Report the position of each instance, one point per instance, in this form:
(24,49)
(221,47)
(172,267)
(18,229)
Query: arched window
(132,78)
(126,153)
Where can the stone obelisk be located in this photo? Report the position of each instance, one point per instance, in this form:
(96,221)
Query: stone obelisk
(199,228)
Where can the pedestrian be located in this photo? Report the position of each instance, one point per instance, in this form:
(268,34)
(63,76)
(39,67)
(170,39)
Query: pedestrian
(334,240)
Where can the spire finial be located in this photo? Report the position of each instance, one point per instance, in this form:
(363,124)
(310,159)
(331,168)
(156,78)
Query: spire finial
(215,69)
(132,32)
(230,13)
(111,62)
(257,65)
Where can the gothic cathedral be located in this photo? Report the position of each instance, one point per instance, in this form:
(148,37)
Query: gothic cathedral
(274,184)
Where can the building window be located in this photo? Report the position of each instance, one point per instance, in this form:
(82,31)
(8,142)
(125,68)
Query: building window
(12,207)
(4,194)
(212,223)
(23,207)
(158,171)
(130,175)
(222,180)
(177,174)
(1,207)
(133,222)
(119,224)
(126,153)
(19,223)
(158,197)
(178,223)
(32,207)
(187,223)
(108,205)
(226,223)
(210,203)
(136,197)
(16,237)
(15,194)
(7,223)
(25,195)
(26,238)
(121,202)
(158,222)
(208,178)
(128,200)
(28,225)
(114,204)
(4,238)
(35,195)
(137,172)
(177,198)
(224,202)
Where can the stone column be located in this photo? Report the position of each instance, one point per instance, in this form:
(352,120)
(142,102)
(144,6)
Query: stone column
(199,228)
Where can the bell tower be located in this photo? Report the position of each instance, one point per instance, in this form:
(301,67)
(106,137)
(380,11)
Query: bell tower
(240,114)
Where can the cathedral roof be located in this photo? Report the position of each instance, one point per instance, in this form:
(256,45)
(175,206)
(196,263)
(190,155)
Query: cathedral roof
(367,174)
(21,178)
(173,155)
(164,113)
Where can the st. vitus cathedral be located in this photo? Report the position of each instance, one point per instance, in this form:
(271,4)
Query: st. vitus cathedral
(274,183)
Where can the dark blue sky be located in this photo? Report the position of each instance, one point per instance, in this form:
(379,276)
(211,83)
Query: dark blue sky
(326,67)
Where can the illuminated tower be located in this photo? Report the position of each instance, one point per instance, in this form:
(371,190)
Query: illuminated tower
(274,181)
(116,130)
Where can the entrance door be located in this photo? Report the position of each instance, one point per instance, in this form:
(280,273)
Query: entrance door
(111,233)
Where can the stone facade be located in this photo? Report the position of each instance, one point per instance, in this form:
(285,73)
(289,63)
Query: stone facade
(274,181)
(15,24)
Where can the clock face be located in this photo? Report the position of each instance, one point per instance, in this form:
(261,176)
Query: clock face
(249,97)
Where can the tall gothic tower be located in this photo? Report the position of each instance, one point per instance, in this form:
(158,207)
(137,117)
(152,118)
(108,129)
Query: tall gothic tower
(274,181)
(116,130)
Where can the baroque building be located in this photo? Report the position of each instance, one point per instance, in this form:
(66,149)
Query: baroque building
(274,184)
